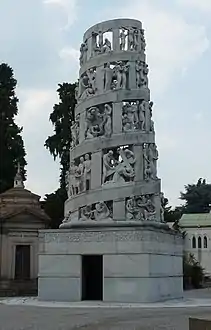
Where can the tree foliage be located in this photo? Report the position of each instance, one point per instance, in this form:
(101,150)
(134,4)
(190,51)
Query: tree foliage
(11,143)
(63,114)
(193,273)
(59,146)
(171,215)
(197,197)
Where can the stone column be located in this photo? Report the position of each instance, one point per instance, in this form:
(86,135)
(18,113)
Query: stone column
(119,209)
(132,75)
(96,170)
(139,164)
(82,127)
(117,118)
(116,45)
(157,204)
(100,79)
(147,118)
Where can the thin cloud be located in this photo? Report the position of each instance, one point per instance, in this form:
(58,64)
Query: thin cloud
(69,7)
(202,5)
(173,45)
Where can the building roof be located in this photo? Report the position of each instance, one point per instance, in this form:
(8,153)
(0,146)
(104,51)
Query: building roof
(20,200)
(195,220)
(19,192)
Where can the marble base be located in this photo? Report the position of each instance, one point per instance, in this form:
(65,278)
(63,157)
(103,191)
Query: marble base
(140,264)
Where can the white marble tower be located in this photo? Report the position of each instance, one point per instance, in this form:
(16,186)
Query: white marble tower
(114,205)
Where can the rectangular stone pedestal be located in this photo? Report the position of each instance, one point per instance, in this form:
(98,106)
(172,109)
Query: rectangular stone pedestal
(140,264)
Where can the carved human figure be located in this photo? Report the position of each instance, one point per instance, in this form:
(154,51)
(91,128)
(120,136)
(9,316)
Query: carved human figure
(127,123)
(150,210)
(145,71)
(129,157)
(106,46)
(89,91)
(131,111)
(107,120)
(131,209)
(101,212)
(86,213)
(147,165)
(75,128)
(100,40)
(92,78)
(87,172)
(79,176)
(130,38)
(83,53)
(71,179)
(121,70)
(77,90)
(109,164)
(142,115)
(124,170)
(136,39)
(118,72)
(153,157)
(143,42)
(90,118)
(108,75)
(150,107)
(122,37)
(151,125)
(139,74)
(125,69)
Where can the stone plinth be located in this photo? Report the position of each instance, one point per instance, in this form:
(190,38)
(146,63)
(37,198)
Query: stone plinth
(140,263)
(199,324)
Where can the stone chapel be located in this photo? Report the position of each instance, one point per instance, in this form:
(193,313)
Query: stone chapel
(21,216)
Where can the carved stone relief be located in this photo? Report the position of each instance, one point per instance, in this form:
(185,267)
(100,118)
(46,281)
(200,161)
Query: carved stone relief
(100,211)
(83,53)
(150,155)
(141,208)
(134,116)
(142,71)
(120,75)
(87,84)
(98,121)
(78,178)
(143,41)
(162,205)
(75,129)
(100,44)
(118,165)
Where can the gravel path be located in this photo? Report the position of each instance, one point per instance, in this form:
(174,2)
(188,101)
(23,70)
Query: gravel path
(22,317)
(31,318)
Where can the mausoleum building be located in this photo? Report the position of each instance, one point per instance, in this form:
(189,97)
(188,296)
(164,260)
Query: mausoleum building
(21,217)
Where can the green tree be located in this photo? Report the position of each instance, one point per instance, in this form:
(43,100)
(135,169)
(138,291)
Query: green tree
(197,197)
(62,116)
(59,146)
(12,149)
(171,215)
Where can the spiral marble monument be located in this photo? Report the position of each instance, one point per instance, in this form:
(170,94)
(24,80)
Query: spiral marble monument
(115,206)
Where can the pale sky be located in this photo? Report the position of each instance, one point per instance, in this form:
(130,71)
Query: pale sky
(40,40)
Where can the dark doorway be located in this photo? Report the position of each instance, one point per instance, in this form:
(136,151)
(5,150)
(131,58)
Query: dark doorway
(22,262)
(92,277)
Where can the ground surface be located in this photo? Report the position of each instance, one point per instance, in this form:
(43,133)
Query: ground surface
(20,317)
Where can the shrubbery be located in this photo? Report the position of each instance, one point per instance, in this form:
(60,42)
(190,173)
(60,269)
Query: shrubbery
(193,273)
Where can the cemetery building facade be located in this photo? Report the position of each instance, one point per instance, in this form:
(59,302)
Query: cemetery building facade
(21,217)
